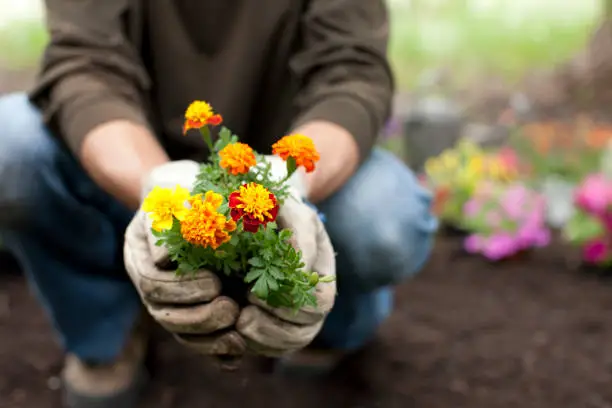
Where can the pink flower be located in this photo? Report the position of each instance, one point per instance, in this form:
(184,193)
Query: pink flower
(500,246)
(530,235)
(595,251)
(514,200)
(473,243)
(607,220)
(594,194)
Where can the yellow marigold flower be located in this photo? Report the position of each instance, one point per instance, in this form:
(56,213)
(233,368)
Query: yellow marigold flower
(299,147)
(200,114)
(237,158)
(204,225)
(162,204)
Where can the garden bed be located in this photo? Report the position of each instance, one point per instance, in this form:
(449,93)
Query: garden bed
(466,333)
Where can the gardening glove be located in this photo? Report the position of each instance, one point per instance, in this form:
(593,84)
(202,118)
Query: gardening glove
(190,307)
(277,331)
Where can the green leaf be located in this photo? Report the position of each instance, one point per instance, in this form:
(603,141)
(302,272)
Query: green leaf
(272,285)
(276,273)
(583,227)
(285,234)
(226,269)
(184,268)
(267,254)
(254,274)
(256,262)
(260,288)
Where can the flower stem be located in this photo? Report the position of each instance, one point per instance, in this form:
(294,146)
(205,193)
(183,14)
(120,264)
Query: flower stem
(205,132)
(291,168)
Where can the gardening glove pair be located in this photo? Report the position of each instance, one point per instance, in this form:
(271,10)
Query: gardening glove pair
(193,308)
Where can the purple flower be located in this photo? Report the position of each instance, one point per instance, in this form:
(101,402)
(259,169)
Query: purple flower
(500,246)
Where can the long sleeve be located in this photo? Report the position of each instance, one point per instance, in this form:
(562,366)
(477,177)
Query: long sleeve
(91,74)
(343,68)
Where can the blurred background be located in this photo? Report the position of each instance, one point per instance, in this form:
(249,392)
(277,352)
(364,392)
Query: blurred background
(467,332)
(477,49)
(459,64)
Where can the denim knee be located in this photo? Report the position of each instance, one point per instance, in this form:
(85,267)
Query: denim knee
(26,155)
(380,224)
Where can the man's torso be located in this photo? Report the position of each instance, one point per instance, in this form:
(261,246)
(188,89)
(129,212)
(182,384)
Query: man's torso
(235,54)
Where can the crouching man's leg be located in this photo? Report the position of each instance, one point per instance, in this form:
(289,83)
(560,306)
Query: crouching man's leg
(67,235)
(382,230)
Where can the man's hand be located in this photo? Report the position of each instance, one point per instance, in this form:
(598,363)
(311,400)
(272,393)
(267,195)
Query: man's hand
(339,159)
(277,331)
(189,307)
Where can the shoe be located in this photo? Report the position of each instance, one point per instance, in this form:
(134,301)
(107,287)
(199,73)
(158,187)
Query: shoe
(115,385)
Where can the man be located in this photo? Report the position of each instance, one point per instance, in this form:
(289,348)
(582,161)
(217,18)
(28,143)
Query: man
(103,125)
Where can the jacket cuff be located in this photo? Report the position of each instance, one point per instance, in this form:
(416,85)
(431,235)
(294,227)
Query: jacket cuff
(79,121)
(349,114)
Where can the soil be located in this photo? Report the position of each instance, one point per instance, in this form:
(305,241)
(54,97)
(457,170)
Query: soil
(465,333)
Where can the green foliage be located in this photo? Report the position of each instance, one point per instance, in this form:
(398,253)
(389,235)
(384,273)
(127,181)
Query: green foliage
(265,260)
(582,228)
(506,39)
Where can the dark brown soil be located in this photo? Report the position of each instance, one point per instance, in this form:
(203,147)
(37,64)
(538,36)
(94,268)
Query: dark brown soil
(524,334)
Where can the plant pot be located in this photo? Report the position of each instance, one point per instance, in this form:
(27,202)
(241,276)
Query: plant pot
(559,194)
(433,126)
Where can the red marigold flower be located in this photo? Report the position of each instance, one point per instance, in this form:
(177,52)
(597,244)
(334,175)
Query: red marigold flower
(254,204)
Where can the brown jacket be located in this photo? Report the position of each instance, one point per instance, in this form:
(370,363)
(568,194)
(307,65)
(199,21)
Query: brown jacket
(265,65)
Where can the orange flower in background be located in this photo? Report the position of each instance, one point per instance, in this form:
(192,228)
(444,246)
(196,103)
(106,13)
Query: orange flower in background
(204,225)
(200,114)
(598,138)
(254,204)
(298,147)
(237,158)
(440,198)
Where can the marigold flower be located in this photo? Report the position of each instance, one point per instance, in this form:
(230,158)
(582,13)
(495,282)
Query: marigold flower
(237,158)
(203,225)
(255,204)
(299,147)
(162,204)
(200,114)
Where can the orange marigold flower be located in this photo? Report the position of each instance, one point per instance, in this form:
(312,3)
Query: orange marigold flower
(204,225)
(237,158)
(200,114)
(299,147)
(255,204)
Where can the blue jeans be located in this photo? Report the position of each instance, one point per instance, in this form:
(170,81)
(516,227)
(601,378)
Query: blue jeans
(67,234)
